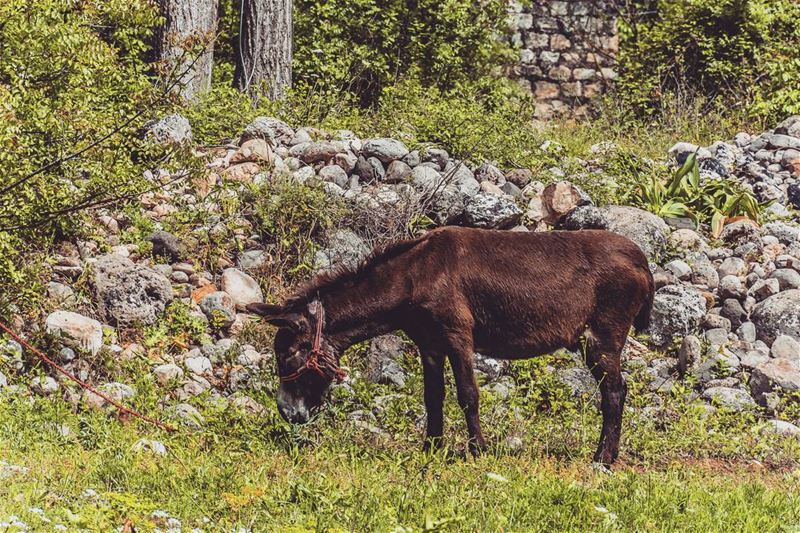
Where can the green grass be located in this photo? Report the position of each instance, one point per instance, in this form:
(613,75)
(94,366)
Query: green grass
(680,470)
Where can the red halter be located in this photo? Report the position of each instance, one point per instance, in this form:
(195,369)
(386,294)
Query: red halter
(322,362)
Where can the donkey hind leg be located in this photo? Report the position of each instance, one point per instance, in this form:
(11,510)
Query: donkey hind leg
(467,390)
(433,375)
(602,352)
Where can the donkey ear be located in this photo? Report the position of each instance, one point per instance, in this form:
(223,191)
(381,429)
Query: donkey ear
(277,315)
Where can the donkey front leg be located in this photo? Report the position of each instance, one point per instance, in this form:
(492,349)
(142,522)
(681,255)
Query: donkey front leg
(467,389)
(433,375)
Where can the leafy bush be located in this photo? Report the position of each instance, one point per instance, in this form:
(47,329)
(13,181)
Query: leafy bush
(70,74)
(290,218)
(363,46)
(739,52)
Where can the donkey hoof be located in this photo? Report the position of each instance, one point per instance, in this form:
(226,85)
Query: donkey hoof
(477,448)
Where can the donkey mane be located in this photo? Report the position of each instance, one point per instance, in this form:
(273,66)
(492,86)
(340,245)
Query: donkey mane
(343,274)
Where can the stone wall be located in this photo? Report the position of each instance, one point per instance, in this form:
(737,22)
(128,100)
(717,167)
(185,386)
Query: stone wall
(566,52)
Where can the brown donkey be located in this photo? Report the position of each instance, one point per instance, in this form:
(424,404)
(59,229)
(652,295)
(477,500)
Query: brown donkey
(454,291)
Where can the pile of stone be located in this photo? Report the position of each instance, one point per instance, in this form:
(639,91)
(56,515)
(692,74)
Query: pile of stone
(768,164)
(727,310)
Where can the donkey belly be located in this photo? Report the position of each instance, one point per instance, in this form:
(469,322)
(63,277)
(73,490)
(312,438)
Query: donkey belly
(529,335)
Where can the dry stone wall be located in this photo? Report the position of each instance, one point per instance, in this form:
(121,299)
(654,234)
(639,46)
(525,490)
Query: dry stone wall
(566,52)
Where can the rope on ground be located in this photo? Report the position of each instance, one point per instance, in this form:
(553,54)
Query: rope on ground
(83,384)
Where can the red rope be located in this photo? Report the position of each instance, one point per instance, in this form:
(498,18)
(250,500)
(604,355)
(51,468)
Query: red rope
(329,369)
(85,385)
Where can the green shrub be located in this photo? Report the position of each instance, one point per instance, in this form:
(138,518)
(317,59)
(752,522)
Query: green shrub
(71,73)
(363,46)
(291,219)
(740,53)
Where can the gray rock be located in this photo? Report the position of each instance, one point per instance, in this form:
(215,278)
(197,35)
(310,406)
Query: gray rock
(493,212)
(580,382)
(334,174)
(187,415)
(383,358)
(677,310)
(787,278)
(198,365)
(717,337)
(732,266)
(170,130)
(385,150)
(731,287)
(369,169)
(322,151)
(647,230)
(60,294)
(491,368)
(681,150)
(704,274)
(684,240)
(690,352)
(747,332)
(252,259)
(397,172)
(786,347)
(167,245)
(779,375)
(272,129)
(729,398)
(241,287)
(44,385)
(733,311)
(778,315)
(764,288)
(166,373)
(218,305)
(344,248)
(712,320)
(785,233)
(740,232)
(679,268)
(130,294)
(781,427)
(76,330)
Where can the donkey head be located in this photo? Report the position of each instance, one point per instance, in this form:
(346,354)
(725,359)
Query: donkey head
(307,364)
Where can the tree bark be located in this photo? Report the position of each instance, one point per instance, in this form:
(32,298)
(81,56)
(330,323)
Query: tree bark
(185,43)
(264,48)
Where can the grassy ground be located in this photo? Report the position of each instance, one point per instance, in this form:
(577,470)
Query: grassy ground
(682,469)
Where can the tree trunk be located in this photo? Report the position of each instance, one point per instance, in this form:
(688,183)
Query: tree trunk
(185,43)
(264,48)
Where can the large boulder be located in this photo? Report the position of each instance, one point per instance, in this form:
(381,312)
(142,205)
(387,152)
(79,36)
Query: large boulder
(76,330)
(781,375)
(490,211)
(344,248)
(129,293)
(647,230)
(677,310)
(778,315)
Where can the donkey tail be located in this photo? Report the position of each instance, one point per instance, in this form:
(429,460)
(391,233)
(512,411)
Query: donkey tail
(642,320)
